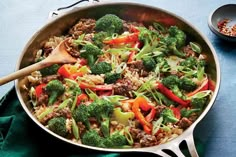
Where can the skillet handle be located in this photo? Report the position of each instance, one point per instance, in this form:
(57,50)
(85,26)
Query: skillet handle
(175,146)
(60,10)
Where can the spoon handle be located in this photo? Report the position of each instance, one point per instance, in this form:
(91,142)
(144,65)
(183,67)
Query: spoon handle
(23,72)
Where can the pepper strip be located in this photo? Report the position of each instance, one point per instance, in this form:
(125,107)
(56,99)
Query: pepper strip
(169,94)
(136,109)
(204,86)
(123,39)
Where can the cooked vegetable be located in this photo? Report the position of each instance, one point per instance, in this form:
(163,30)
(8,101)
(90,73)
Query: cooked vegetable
(81,114)
(50,70)
(102,110)
(98,39)
(101,68)
(109,23)
(91,53)
(187,84)
(168,116)
(58,126)
(111,77)
(54,88)
(149,63)
(173,82)
(149,40)
(92,138)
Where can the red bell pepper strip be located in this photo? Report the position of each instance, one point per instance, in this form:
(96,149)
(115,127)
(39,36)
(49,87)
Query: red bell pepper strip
(169,94)
(124,39)
(39,90)
(151,115)
(64,71)
(204,86)
(176,112)
(211,85)
(133,52)
(81,98)
(133,29)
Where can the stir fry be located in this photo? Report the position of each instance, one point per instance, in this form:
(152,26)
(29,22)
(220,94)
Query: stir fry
(132,86)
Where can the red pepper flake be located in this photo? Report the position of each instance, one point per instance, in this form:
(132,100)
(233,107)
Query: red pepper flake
(226,30)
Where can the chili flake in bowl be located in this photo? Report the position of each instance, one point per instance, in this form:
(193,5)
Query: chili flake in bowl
(222,22)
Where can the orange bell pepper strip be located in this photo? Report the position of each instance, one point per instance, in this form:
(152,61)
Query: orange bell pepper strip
(123,39)
(81,98)
(39,90)
(136,109)
(169,94)
(204,86)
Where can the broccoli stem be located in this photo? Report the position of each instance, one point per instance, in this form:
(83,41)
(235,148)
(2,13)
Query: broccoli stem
(91,60)
(52,98)
(105,127)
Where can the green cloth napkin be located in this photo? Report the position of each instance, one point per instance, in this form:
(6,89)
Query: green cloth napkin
(21,137)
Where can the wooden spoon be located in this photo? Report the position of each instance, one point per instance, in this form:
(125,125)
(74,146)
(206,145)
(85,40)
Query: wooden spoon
(58,55)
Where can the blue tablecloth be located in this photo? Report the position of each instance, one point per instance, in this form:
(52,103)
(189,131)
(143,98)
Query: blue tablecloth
(19,20)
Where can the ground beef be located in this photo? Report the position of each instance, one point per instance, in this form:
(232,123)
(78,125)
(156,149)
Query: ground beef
(123,87)
(142,139)
(48,78)
(138,67)
(184,123)
(127,25)
(84,26)
(43,99)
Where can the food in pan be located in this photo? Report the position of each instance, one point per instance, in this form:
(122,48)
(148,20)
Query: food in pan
(133,85)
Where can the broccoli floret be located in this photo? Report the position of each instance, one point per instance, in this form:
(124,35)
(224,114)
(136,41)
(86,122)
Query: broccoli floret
(199,102)
(91,53)
(109,23)
(202,63)
(102,110)
(172,82)
(162,64)
(50,70)
(168,116)
(178,34)
(101,68)
(190,62)
(149,40)
(172,46)
(98,38)
(186,113)
(81,114)
(115,140)
(92,138)
(149,63)
(175,40)
(54,88)
(112,77)
(187,84)
(58,126)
